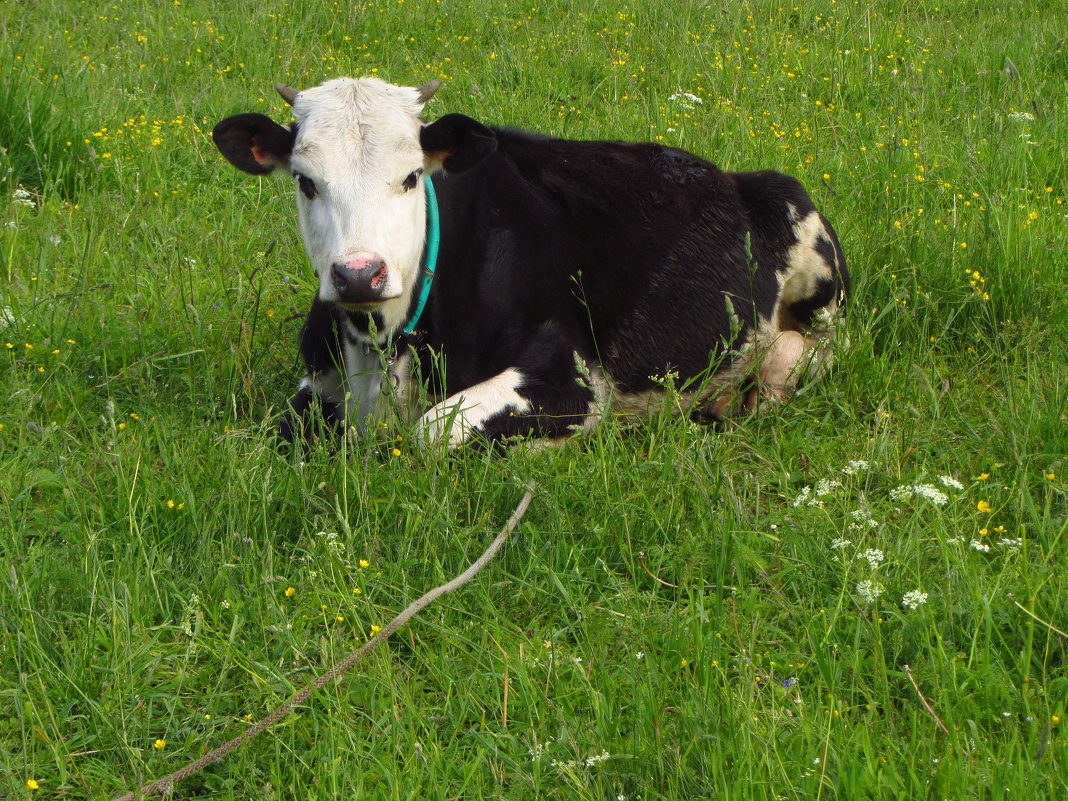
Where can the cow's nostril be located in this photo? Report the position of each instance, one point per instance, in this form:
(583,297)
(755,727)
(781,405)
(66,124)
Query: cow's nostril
(378,277)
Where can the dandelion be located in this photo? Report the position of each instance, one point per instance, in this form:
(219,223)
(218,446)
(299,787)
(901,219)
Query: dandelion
(375,629)
(160,744)
(982,477)
(290,592)
(364,563)
(31,784)
(396,452)
(1050,476)
(914,599)
(984,507)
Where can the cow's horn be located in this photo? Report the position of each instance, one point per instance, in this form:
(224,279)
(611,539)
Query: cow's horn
(426,91)
(288,93)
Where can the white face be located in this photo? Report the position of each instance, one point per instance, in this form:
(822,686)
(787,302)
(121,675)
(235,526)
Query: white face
(358,170)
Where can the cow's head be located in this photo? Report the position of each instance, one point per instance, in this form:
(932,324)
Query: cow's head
(357,152)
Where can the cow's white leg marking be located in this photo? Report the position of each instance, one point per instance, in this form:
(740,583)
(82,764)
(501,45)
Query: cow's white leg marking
(457,417)
(361,388)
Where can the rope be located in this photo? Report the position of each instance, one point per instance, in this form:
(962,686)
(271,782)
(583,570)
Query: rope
(164,785)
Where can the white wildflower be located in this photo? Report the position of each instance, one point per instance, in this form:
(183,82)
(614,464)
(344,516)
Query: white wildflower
(22,197)
(686,100)
(1021,116)
(979,546)
(803,496)
(864,520)
(826,485)
(914,599)
(952,483)
(855,466)
(869,590)
(907,492)
(1013,544)
(874,556)
(55,239)
(841,544)
(590,761)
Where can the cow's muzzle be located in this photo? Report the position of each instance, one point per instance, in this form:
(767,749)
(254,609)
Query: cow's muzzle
(361,280)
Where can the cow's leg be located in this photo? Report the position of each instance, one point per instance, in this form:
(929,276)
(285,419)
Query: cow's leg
(543,394)
(343,377)
(780,369)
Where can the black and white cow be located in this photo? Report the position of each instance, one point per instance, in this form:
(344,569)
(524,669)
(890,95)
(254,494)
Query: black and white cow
(571,277)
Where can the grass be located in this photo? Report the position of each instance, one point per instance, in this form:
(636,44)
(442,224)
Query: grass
(680,615)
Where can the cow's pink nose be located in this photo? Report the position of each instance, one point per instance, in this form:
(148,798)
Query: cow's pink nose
(369,265)
(360,278)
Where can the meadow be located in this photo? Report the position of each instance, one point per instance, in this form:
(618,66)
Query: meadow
(859,595)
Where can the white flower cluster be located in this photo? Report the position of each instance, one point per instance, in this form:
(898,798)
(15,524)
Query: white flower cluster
(855,466)
(952,483)
(686,100)
(863,520)
(588,762)
(808,497)
(874,557)
(869,590)
(22,197)
(914,599)
(907,492)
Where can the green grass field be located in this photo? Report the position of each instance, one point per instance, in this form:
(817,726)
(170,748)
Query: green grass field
(684,613)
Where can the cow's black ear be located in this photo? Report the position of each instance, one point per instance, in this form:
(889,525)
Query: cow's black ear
(254,143)
(457,142)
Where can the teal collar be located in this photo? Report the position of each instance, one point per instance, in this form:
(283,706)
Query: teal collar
(430,254)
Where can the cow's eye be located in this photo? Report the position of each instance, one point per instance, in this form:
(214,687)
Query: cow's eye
(412,180)
(306,184)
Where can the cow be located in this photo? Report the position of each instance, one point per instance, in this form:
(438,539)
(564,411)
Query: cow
(549,281)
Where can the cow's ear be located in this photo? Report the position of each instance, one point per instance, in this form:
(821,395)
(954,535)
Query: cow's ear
(457,142)
(254,143)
